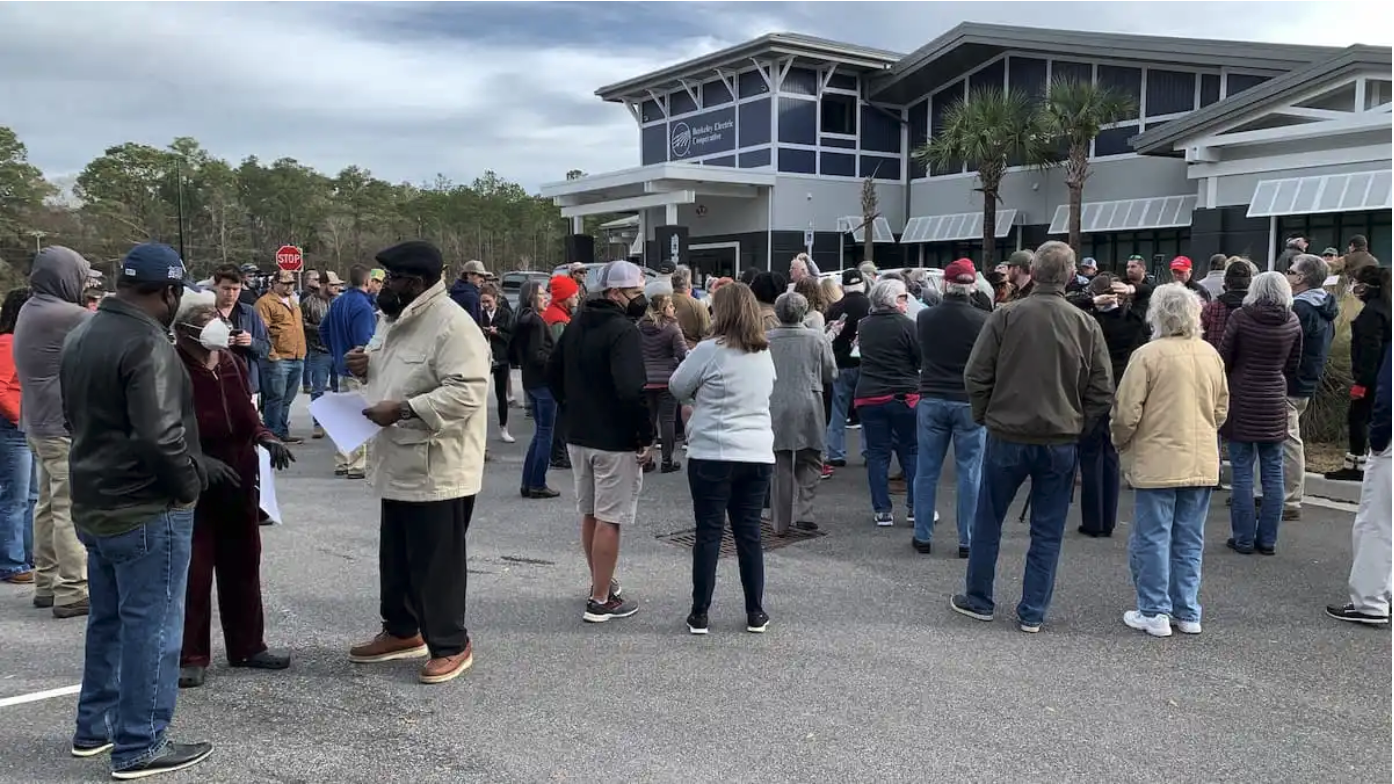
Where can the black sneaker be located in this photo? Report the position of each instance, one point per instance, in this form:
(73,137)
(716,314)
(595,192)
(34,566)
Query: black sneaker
(525,492)
(192,677)
(543,492)
(614,608)
(671,466)
(1239,548)
(962,551)
(1347,612)
(265,660)
(923,548)
(959,604)
(1261,550)
(806,525)
(757,622)
(837,463)
(1346,474)
(697,623)
(85,749)
(174,756)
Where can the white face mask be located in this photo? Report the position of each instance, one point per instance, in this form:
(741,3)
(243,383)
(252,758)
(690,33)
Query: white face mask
(214,335)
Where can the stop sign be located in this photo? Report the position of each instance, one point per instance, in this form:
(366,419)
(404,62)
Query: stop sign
(289,258)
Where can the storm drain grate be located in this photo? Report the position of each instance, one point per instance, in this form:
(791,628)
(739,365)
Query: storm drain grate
(768,541)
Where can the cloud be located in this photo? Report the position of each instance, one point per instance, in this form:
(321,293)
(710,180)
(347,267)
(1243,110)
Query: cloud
(409,90)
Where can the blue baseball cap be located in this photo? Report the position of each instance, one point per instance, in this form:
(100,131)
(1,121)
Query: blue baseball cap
(154,262)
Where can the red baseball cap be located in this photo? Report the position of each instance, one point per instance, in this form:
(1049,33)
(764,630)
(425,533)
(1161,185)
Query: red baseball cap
(562,287)
(960,271)
(1181,264)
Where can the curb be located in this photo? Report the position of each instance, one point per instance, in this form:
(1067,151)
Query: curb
(1316,485)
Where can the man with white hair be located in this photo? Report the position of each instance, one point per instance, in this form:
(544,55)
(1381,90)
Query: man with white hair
(597,375)
(1038,377)
(1316,311)
(843,318)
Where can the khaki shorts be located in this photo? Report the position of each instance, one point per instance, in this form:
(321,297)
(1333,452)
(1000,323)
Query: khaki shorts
(607,483)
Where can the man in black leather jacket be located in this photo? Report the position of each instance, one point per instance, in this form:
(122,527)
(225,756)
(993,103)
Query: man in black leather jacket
(136,473)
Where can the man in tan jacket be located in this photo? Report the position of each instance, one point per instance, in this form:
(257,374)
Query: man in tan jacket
(285,364)
(426,378)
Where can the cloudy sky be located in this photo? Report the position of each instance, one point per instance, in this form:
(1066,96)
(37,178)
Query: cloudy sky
(409,90)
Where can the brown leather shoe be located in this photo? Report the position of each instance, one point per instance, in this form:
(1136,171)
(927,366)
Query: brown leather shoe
(77,609)
(447,668)
(384,647)
(43,602)
(22,578)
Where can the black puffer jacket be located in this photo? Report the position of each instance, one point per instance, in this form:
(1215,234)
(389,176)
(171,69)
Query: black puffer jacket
(596,373)
(1261,347)
(1125,329)
(530,347)
(1369,337)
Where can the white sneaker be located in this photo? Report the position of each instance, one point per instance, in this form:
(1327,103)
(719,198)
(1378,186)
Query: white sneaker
(506,436)
(1188,627)
(1155,625)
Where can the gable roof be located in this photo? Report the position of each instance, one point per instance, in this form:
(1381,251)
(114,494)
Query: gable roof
(1352,59)
(737,57)
(971,43)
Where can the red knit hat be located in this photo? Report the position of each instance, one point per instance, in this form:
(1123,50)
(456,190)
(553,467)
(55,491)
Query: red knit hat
(562,287)
(960,271)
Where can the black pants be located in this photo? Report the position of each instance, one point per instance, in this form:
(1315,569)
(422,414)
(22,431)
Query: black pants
(662,407)
(723,489)
(1358,420)
(501,392)
(422,561)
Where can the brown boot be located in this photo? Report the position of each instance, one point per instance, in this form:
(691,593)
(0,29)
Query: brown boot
(22,578)
(447,668)
(76,609)
(384,647)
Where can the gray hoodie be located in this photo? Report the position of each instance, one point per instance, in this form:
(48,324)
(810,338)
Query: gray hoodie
(57,281)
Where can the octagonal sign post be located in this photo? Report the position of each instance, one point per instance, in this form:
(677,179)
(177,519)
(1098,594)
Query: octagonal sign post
(289,258)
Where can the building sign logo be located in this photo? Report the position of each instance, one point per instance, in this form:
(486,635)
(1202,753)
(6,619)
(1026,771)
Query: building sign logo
(707,137)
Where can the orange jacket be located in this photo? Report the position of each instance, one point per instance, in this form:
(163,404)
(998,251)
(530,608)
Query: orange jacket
(9,380)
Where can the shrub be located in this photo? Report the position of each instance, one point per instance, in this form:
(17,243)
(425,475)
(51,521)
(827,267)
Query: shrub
(1325,419)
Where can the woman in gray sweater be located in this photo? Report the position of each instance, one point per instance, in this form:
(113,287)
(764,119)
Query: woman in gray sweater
(804,366)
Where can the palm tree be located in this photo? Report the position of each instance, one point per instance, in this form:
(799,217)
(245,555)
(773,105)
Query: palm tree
(870,212)
(991,129)
(1075,112)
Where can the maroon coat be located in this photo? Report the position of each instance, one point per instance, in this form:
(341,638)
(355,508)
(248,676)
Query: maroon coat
(1262,343)
(228,429)
(1215,316)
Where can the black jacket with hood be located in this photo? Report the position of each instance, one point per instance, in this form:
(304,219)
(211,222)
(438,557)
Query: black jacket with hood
(57,281)
(1316,311)
(596,372)
(1369,339)
(855,305)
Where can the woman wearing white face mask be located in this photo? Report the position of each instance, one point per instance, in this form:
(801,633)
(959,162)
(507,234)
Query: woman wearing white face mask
(227,539)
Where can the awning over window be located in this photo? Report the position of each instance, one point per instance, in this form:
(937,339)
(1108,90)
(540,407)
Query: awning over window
(952,228)
(1323,193)
(880,228)
(1167,212)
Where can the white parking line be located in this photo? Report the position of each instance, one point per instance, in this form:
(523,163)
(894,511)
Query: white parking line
(22,699)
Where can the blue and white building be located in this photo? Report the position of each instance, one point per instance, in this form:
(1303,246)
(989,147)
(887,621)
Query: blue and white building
(758,149)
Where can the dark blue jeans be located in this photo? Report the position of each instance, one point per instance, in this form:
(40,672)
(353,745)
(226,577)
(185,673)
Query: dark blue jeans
(1006,465)
(724,489)
(19,491)
(1246,532)
(280,384)
(130,679)
(319,368)
(939,422)
(1098,486)
(836,437)
(544,416)
(886,427)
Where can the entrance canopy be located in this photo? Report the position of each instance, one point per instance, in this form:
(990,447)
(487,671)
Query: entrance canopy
(659,185)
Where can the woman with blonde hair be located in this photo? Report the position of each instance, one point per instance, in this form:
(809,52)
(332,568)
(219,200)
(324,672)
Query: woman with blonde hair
(1171,399)
(664,348)
(730,447)
(812,291)
(832,292)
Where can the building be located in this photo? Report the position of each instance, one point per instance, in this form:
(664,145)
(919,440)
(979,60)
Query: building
(753,153)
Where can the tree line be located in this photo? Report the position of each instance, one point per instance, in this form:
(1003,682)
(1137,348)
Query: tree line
(240,214)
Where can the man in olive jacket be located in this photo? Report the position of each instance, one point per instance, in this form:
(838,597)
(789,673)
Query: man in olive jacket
(1038,378)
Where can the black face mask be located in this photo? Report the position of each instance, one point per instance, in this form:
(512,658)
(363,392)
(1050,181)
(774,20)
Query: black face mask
(637,307)
(393,302)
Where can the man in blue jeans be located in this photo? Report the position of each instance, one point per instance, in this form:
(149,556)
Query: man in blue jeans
(136,475)
(1038,377)
(947,333)
(843,318)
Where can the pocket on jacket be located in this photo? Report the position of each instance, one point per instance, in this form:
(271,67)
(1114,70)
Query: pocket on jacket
(408,459)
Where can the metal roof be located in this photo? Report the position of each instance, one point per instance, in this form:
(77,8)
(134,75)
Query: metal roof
(1352,58)
(785,44)
(972,43)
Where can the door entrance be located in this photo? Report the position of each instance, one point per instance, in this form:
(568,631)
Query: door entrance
(714,259)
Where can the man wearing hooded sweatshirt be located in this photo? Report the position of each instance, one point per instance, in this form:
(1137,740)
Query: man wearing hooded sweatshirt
(58,279)
(842,319)
(1316,311)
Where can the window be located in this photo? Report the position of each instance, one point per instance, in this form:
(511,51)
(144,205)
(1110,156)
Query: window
(679,102)
(751,83)
(839,114)
(650,111)
(754,159)
(1114,141)
(1125,80)
(1112,249)
(1238,83)
(881,168)
(991,76)
(1170,92)
(753,123)
(715,94)
(797,121)
(800,81)
(1209,89)
(1334,230)
(1027,75)
(843,82)
(919,134)
(1079,72)
(836,164)
(880,130)
(798,161)
(940,104)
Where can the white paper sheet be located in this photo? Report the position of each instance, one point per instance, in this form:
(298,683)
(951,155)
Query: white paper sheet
(268,501)
(341,416)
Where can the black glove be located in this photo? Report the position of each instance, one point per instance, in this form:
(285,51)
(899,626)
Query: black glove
(217,473)
(281,458)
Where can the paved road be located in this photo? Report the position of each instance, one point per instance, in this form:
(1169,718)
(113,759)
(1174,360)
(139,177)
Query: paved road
(865,675)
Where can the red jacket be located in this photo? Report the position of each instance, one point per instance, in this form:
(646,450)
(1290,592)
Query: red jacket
(228,429)
(9,380)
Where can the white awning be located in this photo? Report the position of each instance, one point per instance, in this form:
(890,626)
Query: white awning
(880,228)
(1167,212)
(1324,193)
(951,228)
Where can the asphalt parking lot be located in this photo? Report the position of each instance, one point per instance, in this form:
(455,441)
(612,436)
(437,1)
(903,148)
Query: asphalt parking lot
(864,676)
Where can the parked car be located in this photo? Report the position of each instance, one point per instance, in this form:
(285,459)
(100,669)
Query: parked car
(512,283)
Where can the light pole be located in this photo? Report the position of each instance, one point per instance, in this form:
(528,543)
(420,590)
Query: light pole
(38,236)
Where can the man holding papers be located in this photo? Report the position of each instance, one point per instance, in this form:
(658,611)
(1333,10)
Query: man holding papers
(349,324)
(426,379)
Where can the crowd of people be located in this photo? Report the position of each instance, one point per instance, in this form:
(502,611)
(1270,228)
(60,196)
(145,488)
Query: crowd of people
(132,433)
